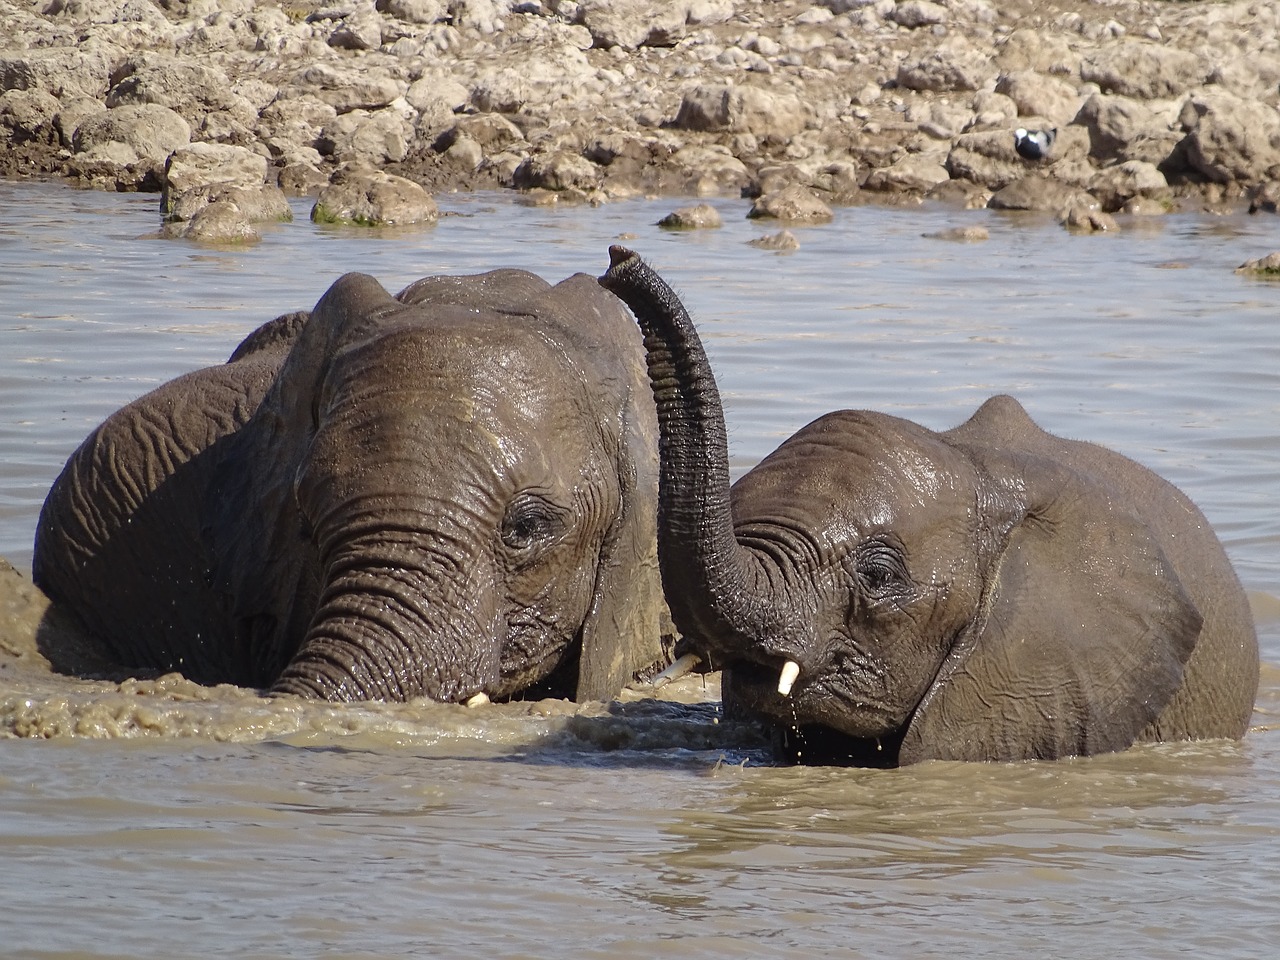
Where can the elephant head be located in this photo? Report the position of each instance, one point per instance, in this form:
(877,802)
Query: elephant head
(882,594)
(446,493)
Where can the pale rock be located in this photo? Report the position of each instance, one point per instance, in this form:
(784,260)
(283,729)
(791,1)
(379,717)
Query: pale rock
(149,131)
(910,173)
(1116,186)
(1143,70)
(1036,95)
(795,203)
(1038,192)
(1230,139)
(374,199)
(918,13)
(700,217)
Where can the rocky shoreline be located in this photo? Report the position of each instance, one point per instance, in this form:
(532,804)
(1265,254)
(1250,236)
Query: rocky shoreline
(797,106)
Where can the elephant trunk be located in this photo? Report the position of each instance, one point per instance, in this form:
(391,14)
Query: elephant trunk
(376,637)
(718,591)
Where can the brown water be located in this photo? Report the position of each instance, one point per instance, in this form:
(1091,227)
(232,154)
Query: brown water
(164,819)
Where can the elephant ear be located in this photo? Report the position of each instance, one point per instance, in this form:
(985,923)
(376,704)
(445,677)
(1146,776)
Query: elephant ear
(1083,635)
(261,563)
(623,630)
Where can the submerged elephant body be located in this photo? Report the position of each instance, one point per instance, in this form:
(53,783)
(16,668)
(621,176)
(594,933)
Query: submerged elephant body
(883,594)
(446,493)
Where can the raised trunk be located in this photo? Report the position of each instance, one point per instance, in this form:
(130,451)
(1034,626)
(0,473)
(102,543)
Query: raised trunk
(716,589)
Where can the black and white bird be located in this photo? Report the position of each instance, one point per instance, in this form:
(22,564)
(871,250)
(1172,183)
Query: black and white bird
(1034,144)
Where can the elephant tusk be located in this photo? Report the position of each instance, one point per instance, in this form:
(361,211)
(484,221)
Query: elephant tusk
(478,700)
(681,667)
(787,679)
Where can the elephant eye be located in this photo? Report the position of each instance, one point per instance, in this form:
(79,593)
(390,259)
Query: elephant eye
(881,569)
(531,521)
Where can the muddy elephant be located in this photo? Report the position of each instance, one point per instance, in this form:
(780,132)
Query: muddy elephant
(882,594)
(444,494)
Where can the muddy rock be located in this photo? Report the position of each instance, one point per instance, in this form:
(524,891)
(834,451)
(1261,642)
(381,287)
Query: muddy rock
(700,217)
(795,203)
(1146,71)
(131,133)
(374,199)
(218,222)
(1038,192)
(784,241)
(1230,140)
(1267,267)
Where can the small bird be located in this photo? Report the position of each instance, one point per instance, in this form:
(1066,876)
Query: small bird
(1034,144)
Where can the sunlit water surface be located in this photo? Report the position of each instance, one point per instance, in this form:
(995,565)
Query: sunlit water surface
(163,819)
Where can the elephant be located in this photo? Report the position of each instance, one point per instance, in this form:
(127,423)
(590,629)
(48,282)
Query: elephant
(448,494)
(879,594)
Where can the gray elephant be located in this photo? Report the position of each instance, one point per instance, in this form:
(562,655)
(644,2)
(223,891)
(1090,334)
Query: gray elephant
(883,594)
(445,494)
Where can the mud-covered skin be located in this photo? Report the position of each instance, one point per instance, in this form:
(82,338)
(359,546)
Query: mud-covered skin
(991,592)
(440,494)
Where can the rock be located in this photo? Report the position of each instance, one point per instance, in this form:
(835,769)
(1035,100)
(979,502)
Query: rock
(917,13)
(1267,267)
(1265,198)
(415,11)
(1038,192)
(742,109)
(144,131)
(265,203)
(1035,95)
(361,31)
(368,138)
(346,88)
(301,179)
(700,217)
(1038,50)
(558,171)
(1113,122)
(944,71)
(1083,218)
(783,241)
(986,158)
(794,203)
(202,174)
(29,115)
(970,234)
(61,72)
(221,222)
(1143,70)
(1229,139)
(190,89)
(631,24)
(1116,186)
(912,173)
(374,199)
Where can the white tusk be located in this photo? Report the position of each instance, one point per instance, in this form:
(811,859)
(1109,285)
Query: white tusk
(478,700)
(682,667)
(790,670)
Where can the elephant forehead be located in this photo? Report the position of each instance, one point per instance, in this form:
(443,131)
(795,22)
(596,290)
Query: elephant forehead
(856,472)
(506,393)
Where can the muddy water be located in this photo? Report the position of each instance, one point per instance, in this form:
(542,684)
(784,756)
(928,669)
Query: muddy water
(164,819)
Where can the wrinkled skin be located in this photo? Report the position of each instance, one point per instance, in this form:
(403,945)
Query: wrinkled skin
(991,592)
(447,493)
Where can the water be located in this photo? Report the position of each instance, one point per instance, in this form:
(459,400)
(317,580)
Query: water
(163,819)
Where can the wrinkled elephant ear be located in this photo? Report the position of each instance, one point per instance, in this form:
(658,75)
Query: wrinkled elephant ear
(622,633)
(251,525)
(1082,640)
